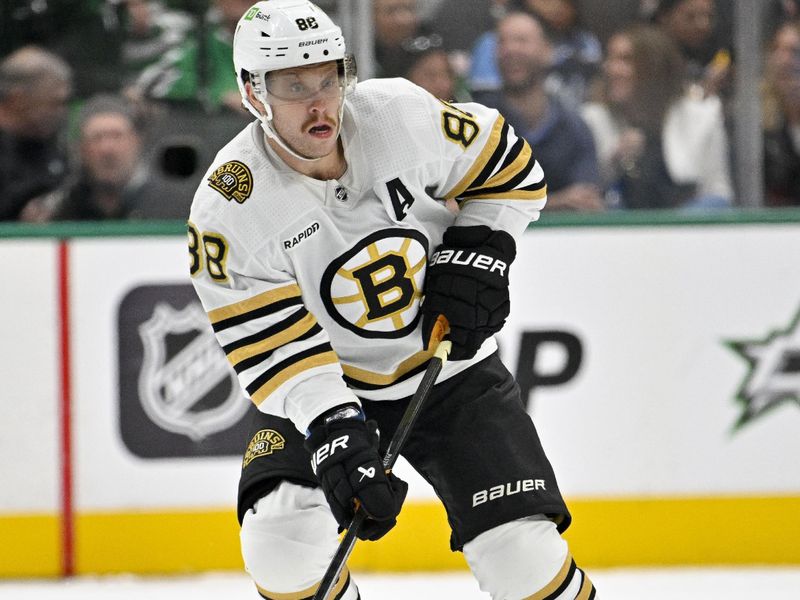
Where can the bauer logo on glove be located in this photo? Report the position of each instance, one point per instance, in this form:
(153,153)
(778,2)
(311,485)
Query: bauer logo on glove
(467,282)
(471,259)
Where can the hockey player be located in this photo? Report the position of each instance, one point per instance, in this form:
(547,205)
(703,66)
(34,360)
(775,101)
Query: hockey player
(323,250)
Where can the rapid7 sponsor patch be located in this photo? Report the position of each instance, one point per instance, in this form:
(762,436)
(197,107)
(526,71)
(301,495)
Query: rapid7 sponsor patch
(303,235)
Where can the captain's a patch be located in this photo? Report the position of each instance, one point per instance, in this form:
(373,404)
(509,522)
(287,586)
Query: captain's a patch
(233,180)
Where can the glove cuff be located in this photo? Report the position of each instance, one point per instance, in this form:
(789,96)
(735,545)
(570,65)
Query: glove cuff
(473,236)
(337,413)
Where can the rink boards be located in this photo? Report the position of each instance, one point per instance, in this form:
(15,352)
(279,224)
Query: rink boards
(660,362)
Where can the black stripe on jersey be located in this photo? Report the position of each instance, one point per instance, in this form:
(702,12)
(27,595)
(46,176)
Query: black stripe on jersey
(254,360)
(512,154)
(268,332)
(344,589)
(587,591)
(277,368)
(490,165)
(534,186)
(508,186)
(363,385)
(564,584)
(256,314)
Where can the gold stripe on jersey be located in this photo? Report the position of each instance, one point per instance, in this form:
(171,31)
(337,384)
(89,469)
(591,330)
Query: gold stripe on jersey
(289,334)
(308,592)
(587,589)
(514,195)
(496,138)
(256,302)
(564,574)
(371,378)
(291,369)
(507,173)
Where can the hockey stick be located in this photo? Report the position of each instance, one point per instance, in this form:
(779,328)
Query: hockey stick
(392,453)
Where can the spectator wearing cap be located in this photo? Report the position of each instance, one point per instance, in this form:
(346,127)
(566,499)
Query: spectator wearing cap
(35,88)
(112,180)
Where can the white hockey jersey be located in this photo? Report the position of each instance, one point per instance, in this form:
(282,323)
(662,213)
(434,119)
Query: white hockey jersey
(313,287)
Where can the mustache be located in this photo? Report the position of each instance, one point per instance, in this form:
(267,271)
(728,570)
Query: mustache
(317,122)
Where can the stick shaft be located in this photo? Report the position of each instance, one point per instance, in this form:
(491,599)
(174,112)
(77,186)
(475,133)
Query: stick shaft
(392,453)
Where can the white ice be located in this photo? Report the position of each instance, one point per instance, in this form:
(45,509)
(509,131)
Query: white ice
(612,584)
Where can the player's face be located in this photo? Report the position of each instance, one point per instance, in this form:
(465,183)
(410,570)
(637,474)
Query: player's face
(305,106)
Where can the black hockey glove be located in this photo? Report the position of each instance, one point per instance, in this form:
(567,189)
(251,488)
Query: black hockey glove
(344,456)
(467,282)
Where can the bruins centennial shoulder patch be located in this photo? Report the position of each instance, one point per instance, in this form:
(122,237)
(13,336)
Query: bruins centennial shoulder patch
(264,443)
(233,180)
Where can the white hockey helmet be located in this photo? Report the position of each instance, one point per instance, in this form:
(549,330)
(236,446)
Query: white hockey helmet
(281,34)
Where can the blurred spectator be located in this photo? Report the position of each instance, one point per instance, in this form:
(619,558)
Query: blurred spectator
(462,22)
(778,12)
(693,25)
(150,30)
(576,52)
(606,17)
(659,147)
(561,141)
(430,68)
(35,87)
(782,117)
(88,35)
(199,71)
(112,181)
(398,28)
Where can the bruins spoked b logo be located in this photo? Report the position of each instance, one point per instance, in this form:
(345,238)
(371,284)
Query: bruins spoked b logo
(374,289)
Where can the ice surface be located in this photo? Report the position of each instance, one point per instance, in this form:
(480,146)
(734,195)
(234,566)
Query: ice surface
(613,584)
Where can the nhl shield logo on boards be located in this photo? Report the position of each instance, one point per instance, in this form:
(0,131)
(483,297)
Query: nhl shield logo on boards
(178,395)
(173,385)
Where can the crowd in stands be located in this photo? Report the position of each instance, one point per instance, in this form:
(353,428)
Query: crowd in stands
(626,103)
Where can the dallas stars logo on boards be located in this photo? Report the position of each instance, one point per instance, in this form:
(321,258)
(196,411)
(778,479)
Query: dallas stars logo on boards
(774,375)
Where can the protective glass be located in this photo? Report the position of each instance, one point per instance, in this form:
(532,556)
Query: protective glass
(327,81)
